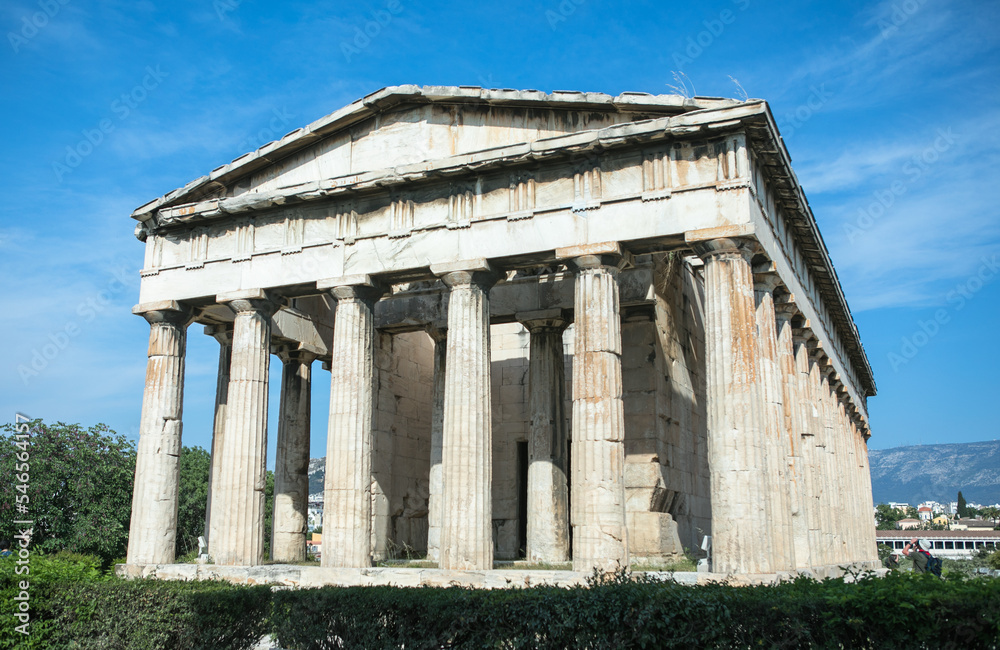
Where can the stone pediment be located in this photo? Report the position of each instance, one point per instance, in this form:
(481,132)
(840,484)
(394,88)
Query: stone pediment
(408,126)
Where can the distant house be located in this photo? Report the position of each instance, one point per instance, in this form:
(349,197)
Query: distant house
(908,524)
(925,513)
(972,524)
(941,520)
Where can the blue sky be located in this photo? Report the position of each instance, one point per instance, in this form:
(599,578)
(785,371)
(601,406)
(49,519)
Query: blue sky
(889,111)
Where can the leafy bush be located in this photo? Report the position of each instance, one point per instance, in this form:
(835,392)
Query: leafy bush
(79,491)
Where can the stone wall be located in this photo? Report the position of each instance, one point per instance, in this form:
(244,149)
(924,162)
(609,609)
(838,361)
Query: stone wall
(402,442)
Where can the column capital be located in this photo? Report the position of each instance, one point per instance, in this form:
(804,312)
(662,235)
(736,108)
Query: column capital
(360,287)
(438,330)
(544,320)
(165,311)
(727,248)
(768,281)
(785,311)
(477,272)
(607,255)
(250,300)
(289,353)
(222,332)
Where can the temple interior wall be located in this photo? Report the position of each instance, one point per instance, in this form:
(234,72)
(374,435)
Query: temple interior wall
(402,442)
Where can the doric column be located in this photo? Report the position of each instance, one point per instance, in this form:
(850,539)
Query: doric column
(792,412)
(290,521)
(809,418)
(776,444)
(224,335)
(347,504)
(548,441)
(828,522)
(435,477)
(467,449)
(835,469)
(238,510)
(742,539)
(871,545)
(153,531)
(597,466)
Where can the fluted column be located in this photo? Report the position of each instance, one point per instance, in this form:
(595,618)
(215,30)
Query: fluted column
(153,529)
(849,469)
(224,335)
(548,442)
(742,539)
(776,444)
(824,474)
(835,471)
(871,545)
(792,412)
(597,466)
(809,418)
(238,510)
(435,476)
(290,521)
(347,504)
(467,449)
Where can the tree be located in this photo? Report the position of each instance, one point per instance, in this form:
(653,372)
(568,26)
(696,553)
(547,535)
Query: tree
(192,497)
(992,513)
(77,484)
(962,507)
(886,517)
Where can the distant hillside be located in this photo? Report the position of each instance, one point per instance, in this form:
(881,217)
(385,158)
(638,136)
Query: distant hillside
(937,473)
(317,470)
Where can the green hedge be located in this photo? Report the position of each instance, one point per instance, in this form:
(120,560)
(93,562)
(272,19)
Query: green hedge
(73,605)
(899,611)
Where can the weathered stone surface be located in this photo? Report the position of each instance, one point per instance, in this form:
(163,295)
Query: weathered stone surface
(742,535)
(548,445)
(237,535)
(153,530)
(600,532)
(466,521)
(224,335)
(347,508)
(291,465)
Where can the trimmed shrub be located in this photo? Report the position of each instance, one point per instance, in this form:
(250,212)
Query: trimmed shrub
(73,605)
(899,611)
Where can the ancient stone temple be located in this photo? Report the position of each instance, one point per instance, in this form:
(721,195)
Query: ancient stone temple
(560,327)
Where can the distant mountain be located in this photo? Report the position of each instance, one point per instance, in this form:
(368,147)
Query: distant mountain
(937,473)
(317,471)
(909,474)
